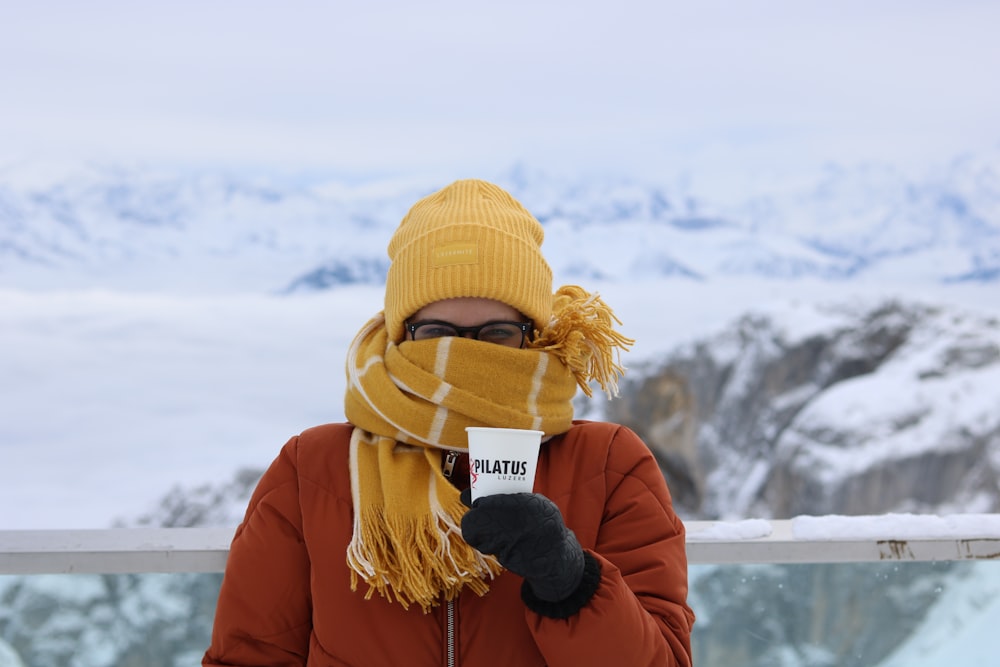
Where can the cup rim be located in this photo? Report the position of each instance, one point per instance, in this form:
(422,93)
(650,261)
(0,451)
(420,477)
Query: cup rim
(498,428)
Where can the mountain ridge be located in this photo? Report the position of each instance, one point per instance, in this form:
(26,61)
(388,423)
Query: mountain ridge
(97,226)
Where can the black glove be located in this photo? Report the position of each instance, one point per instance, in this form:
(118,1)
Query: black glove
(526,533)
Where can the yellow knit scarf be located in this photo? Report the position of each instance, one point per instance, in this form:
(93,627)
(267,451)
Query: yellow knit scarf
(410,401)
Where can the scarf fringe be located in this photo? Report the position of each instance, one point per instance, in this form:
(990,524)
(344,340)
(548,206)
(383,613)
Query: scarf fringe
(581,334)
(437,561)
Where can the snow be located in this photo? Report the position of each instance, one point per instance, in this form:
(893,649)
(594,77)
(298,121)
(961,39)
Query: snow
(944,372)
(830,528)
(724,531)
(67,587)
(953,631)
(896,527)
(8,656)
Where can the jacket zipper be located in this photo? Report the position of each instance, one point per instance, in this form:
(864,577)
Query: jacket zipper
(451,654)
(450,649)
(448,467)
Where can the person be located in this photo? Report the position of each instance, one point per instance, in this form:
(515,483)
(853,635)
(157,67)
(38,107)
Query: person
(359,547)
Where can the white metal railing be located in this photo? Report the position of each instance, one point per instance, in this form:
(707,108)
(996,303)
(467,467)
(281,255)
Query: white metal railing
(831,539)
(119,550)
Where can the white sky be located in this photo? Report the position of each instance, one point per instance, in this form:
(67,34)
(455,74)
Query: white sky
(656,86)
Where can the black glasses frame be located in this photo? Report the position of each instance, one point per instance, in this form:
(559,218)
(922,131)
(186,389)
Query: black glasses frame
(525,327)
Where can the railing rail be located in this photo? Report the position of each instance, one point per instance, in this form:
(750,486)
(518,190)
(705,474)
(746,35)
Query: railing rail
(118,550)
(799,540)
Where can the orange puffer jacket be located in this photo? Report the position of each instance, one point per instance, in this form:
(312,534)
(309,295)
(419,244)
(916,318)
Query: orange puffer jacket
(286,596)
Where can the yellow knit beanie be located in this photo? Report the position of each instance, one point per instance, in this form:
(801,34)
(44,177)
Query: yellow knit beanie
(470,239)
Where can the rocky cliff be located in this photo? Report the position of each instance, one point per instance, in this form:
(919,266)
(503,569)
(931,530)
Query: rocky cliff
(843,409)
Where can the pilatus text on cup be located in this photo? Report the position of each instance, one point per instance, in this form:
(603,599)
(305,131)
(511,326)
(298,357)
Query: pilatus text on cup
(504,468)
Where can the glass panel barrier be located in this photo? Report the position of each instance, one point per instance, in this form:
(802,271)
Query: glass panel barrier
(885,614)
(112,620)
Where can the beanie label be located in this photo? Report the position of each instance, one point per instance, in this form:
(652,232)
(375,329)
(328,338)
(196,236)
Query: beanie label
(455,253)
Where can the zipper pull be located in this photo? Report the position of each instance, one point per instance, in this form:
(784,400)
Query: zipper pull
(448,467)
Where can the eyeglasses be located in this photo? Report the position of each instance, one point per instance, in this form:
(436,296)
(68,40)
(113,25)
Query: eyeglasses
(509,334)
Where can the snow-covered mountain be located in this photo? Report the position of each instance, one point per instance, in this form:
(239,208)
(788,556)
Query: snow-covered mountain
(828,408)
(110,227)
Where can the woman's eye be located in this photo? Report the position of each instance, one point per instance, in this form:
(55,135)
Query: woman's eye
(497,333)
(434,331)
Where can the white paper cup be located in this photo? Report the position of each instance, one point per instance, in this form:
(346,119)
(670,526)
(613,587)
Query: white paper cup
(502,460)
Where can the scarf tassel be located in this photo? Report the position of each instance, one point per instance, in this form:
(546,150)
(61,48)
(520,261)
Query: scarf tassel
(581,333)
